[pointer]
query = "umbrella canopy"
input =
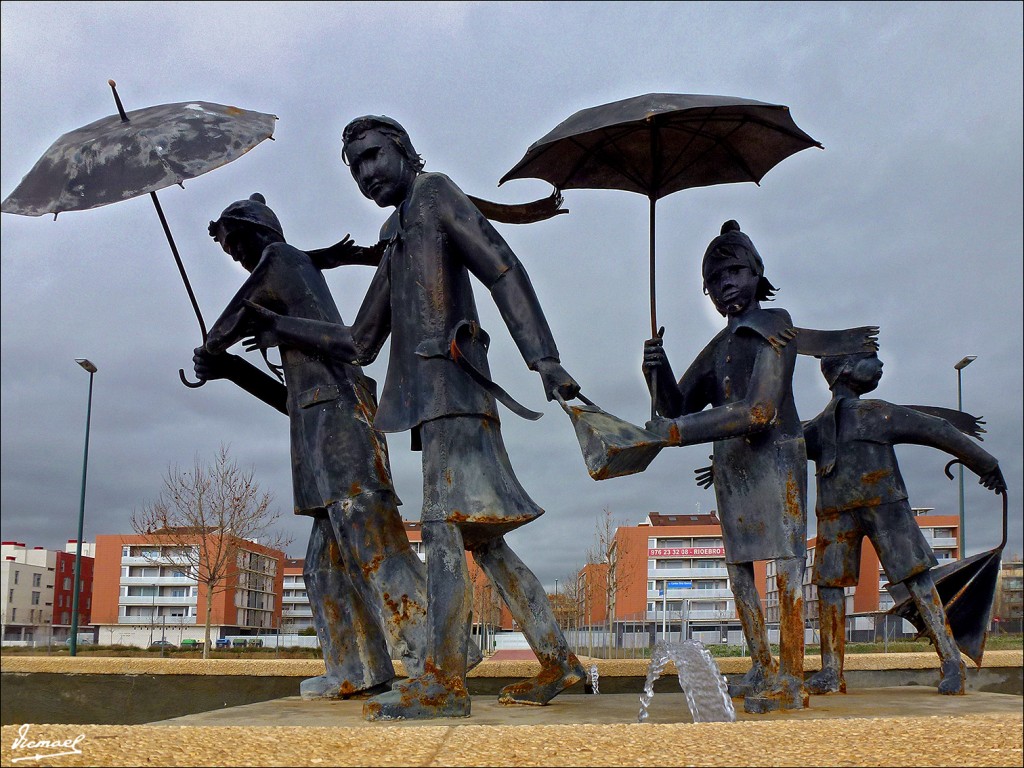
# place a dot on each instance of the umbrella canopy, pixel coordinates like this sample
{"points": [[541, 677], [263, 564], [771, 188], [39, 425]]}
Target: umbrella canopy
{"points": [[135, 153], [118, 158], [660, 143]]}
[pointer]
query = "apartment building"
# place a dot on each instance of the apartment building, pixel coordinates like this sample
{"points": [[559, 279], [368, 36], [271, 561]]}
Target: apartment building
{"points": [[64, 587], [147, 588], [296, 614], [26, 581], [1008, 611], [665, 578], [37, 592]]}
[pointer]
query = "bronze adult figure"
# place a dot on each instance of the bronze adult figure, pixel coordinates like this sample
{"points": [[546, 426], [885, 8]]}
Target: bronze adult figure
{"points": [[745, 374], [364, 581], [861, 493], [438, 387]]}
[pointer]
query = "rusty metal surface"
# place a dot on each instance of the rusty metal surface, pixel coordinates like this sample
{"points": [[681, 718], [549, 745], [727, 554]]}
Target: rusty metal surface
{"points": [[422, 297], [745, 375], [611, 446], [862, 494], [366, 585]]}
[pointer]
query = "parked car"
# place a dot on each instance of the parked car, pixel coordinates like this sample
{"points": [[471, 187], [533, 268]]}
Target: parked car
{"points": [[158, 645]]}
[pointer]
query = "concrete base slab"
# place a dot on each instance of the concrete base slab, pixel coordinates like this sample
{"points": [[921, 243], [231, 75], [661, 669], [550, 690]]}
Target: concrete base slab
{"points": [[570, 709]]}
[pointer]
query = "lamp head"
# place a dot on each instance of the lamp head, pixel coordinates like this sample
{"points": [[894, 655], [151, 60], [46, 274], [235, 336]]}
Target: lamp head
{"points": [[965, 362], [86, 364]]}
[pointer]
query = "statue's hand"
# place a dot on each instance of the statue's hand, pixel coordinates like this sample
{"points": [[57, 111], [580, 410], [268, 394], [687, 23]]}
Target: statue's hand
{"points": [[654, 353], [556, 379], [210, 365], [705, 476], [262, 324], [993, 480]]}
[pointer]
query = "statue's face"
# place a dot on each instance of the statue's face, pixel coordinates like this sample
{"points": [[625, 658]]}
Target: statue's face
{"points": [[866, 374], [243, 243], [732, 286], [379, 168]]}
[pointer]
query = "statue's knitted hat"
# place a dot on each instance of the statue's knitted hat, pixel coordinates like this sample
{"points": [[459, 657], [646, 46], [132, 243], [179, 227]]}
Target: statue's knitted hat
{"points": [[254, 210]]}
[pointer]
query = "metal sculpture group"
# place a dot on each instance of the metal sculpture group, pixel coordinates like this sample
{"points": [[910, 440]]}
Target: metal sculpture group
{"points": [[371, 596]]}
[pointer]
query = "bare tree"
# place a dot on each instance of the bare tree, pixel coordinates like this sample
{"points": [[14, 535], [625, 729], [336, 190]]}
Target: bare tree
{"points": [[610, 553], [202, 515]]}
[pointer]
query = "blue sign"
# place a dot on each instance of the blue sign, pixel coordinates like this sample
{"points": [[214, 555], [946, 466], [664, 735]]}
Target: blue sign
{"points": [[680, 585]]}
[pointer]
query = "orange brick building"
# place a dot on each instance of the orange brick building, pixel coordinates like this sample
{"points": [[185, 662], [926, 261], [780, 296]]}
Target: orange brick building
{"points": [[666, 578], [145, 588]]}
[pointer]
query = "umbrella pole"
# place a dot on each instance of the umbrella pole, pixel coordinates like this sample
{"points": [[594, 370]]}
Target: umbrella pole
{"points": [[184, 279], [174, 249], [654, 315]]}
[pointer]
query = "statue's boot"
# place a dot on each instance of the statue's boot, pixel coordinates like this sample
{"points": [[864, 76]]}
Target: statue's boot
{"points": [[421, 698], [828, 680], [786, 692], [327, 687], [554, 678], [954, 677], [757, 680]]}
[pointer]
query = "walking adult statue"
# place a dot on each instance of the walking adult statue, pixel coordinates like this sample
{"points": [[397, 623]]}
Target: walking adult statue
{"points": [[364, 581], [438, 387]]}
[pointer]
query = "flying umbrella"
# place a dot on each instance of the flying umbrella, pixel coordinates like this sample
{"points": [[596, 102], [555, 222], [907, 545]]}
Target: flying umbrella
{"points": [[659, 143], [133, 153], [967, 589]]}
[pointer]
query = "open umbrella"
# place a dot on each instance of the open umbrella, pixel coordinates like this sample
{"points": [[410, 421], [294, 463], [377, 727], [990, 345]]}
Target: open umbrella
{"points": [[133, 153], [659, 143], [967, 589]]}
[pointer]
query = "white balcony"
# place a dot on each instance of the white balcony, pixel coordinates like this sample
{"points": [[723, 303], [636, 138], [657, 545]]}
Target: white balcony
{"points": [[687, 573], [158, 621], [297, 612], [155, 560], [689, 594], [714, 615], [942, 543], [158, 581], [157, 600]]}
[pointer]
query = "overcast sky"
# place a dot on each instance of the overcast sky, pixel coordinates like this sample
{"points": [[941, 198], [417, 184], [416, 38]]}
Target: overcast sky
{"points": [[910, 219]]}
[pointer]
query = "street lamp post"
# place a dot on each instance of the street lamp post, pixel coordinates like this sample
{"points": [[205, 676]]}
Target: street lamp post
{"points": [[960, 406], [73, 645]]}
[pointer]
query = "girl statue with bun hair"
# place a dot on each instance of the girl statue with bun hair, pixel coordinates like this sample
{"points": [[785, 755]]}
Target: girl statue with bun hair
{"points": [[745, 375]]}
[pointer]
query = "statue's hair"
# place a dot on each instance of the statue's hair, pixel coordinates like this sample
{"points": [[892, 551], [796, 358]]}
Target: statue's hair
{"points": [[834, 367], [387, 127]]}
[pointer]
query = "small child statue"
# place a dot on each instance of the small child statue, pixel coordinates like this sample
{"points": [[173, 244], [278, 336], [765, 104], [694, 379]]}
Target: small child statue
{"points": [[861, 493]]}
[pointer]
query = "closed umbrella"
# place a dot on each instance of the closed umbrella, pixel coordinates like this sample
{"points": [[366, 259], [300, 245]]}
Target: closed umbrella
{"points": [[967, 589]]}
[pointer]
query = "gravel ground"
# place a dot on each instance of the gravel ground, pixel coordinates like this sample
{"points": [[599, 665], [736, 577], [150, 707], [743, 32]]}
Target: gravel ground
{"points": [[975, 740]]}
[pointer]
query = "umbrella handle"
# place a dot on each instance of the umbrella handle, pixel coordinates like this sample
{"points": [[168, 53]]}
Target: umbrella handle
{"points": [[188, 286], [174, 251], [1006, 502]]}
